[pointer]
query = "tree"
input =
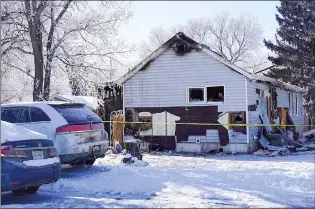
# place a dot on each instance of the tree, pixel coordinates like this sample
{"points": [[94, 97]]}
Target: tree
{"points": [[238, 40], [295, 47], [75, 38], [16, 69]]}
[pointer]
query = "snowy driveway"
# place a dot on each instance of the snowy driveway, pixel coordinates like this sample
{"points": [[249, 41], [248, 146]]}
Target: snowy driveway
{"points": [[181, 181]]}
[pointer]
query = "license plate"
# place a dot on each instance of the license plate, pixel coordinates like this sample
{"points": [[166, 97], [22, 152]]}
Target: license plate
{"points": [[37, 155], [87, 137]]}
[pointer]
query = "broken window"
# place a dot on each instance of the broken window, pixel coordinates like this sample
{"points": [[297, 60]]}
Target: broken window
{"points": [[290, 105], [237, 118], [196, 94], [215, 94], [293, 103], [145, 127]]}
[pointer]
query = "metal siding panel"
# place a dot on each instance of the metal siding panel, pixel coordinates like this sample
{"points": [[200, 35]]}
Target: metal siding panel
{"points": [[163, 83], [253, 116]]}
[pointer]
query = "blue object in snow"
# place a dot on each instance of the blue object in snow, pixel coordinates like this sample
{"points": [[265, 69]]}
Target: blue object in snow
{"points": [[118, 148]]}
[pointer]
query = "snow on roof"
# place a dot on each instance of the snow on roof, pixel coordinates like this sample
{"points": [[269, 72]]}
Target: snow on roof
{"points": [[12, 132], [90, 101], [278, 83], [207, 50]]}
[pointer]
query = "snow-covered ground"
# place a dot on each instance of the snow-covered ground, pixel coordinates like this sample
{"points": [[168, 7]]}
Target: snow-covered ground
{"points": [[171, 180]]}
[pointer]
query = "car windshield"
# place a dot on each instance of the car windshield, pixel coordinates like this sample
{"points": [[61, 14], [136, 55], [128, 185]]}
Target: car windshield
{"points": [[76, 114]]}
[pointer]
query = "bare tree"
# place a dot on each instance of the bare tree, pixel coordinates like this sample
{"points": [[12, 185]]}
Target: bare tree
{"points": [[77, 39], [86, 46], [16, 70], [238, 40]]}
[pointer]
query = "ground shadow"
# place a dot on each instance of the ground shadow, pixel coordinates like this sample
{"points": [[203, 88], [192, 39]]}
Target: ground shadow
{"points": [[45, 200], [295, 157]]}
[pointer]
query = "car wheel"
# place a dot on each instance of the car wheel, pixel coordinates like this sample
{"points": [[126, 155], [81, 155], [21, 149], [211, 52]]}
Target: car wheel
{"points": [[26, 190], [90, 162]]}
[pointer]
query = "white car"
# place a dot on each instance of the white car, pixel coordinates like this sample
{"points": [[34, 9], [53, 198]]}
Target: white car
{"points": [[77, 132]]}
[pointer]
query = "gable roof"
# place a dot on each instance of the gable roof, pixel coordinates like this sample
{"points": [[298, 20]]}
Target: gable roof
{"points": [[181, 37]]}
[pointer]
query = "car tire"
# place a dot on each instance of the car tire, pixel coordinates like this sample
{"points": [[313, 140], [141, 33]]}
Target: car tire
{"points": [[26, 190], [90, 162]]}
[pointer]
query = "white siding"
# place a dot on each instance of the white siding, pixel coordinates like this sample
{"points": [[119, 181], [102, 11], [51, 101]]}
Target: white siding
{"points": [[213, 136], [299, 118], [163, 83], [282, 98]]}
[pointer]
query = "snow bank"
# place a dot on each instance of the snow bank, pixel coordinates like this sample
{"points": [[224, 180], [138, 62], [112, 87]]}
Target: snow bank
{"points": [[12, 132], [41, 162], [122, 181]]}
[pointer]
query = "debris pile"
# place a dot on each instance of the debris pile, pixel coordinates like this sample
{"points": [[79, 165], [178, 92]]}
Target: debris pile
{"points": [[132, 154], [282, 139], [282, 142]]}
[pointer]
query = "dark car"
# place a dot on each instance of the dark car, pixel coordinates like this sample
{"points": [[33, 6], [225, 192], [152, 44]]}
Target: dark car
{"points": [[28, 160]]}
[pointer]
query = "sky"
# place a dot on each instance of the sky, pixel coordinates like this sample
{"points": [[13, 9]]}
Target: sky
{"points": [[151, 14]]}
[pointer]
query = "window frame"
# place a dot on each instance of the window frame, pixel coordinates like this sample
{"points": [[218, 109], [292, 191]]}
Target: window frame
{"points": [[205, 94], [293, 103], [296, 105], [290, 105], [196, 87], [216, 102], [45, 121]]}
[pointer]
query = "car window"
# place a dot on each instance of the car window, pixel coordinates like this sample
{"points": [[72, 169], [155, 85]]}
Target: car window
{"points": [[38, 115], [15, 114], [78, 114]]}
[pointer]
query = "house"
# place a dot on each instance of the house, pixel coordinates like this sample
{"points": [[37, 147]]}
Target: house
{"points": [[193, 97]]}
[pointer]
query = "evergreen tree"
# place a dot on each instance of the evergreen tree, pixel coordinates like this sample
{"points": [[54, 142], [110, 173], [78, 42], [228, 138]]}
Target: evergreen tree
{"points": [[295, 48]]}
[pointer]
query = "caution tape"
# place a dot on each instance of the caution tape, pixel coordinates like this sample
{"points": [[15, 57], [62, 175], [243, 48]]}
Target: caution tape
{"points": [[206, 124]]}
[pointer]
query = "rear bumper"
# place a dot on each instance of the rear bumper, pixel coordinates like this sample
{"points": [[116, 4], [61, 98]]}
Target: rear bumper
{"points": [[15, 175], [79, 157]]}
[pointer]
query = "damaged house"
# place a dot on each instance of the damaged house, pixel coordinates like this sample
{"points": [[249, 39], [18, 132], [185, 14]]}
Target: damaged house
{"points": [[193, 100]]}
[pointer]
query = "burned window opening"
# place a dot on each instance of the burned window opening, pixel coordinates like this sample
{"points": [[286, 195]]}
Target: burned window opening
{"points": [[238, 118], [196, 95], [215, 94], [180, 49], [145, 127]]}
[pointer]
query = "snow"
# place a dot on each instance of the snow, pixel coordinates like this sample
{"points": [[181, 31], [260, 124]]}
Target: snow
{"points": [[173, 180], [91, 102], [41, 162], [12, 132]]}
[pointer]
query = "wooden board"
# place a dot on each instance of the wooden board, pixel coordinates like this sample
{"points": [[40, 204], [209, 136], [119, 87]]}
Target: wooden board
{"points": [[223, 135]]}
